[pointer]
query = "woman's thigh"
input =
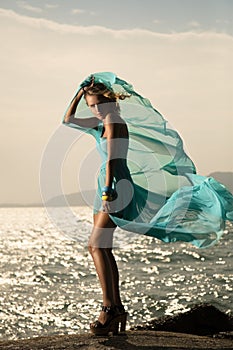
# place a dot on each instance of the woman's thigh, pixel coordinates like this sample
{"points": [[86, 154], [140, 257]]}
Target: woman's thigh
{"points": [[102, 219], [102, 232]]}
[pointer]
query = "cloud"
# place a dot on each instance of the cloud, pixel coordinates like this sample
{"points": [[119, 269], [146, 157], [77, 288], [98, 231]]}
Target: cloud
{"points": [[194, 24], [223, 21], [157, 21], [26, 6], [187, 77], [77, 11], [41, 23], [51, 6], [46, 24]]}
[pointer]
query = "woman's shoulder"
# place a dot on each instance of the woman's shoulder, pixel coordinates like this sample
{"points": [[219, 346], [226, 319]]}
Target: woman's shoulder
{"points": [[116, 124], [114, 119]]}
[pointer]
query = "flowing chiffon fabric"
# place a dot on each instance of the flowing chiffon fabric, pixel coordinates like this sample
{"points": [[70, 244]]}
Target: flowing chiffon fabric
{"points": [[159, 192]]}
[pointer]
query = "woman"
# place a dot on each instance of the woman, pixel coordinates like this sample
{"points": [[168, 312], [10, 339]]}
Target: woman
{"points": [[104, 106], [147, 183]]}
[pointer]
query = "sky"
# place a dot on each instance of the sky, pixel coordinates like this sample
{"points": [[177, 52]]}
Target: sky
{"points": [[177, 53]]}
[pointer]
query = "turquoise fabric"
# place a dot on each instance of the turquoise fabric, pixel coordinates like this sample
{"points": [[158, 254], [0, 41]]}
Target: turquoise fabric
{"points": [[159, 192]]}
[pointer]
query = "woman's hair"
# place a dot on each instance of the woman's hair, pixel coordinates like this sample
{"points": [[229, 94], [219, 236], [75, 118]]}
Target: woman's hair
{"points": [[101, 90]]}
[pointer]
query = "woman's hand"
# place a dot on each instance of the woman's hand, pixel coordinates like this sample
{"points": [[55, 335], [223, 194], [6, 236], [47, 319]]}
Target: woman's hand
{"points": [[106, 206], [88, 84], [92, 81], [109, 196], [109, 206]]}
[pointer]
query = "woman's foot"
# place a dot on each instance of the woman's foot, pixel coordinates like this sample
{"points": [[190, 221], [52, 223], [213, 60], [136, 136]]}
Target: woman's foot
{"points": [[106, 314], [109, 321]]}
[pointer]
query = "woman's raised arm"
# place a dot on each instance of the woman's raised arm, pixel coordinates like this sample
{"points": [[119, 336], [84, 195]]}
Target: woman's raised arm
{"points": [[83, 122]]}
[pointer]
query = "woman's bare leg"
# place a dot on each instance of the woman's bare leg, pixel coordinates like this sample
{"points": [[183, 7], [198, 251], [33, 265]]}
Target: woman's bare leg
{"points": [[99, 243], [115, 277]]}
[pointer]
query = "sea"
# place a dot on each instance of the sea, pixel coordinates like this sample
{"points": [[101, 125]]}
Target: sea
{"points": [[48, 283]]}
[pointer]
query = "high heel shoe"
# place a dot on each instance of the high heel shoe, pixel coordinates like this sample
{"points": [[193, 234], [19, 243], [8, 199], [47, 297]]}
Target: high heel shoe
{"points": [[111, 325], [121, 311]]}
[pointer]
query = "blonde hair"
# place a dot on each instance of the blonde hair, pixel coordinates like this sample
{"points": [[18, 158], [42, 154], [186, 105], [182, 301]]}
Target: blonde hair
{"points": [[100, 89]]}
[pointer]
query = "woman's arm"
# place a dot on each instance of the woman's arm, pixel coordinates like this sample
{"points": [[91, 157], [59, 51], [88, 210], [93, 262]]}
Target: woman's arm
{"points": [[112, 132], [69, 116]]}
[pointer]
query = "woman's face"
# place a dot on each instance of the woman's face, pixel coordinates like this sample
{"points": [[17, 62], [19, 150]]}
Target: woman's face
{"points": [[99, 106]]}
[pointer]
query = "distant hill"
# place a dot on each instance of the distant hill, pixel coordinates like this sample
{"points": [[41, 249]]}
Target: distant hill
{"points": [[225, 178], [87, 197], [73, 199]]}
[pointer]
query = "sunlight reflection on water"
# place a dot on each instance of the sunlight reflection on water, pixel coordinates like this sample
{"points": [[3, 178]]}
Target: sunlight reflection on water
{"points": [[49, 284]]}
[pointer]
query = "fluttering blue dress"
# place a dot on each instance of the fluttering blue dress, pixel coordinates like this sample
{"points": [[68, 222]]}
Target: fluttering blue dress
{"points": [[159, 192]]}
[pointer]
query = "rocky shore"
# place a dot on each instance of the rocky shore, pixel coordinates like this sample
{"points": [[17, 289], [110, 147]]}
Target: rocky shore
{"points": [[203, 327], [202, 319], [132, 340]]}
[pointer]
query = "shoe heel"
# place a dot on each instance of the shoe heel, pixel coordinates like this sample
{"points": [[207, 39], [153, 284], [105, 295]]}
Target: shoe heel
{"points": [[115, 327], [123, 322]]}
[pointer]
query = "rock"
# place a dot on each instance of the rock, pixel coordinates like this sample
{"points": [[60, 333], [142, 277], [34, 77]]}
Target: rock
{"points": [[203, 319], [132, 340], [167, 333]]}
